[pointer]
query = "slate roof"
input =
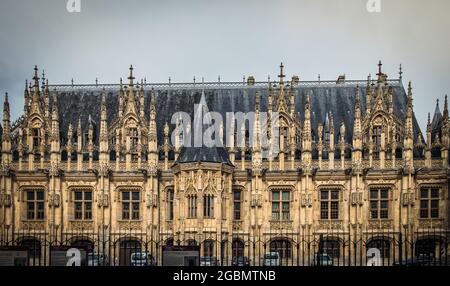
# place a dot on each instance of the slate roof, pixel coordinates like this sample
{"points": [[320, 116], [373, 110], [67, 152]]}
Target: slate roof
{"points": [[339, 99]]}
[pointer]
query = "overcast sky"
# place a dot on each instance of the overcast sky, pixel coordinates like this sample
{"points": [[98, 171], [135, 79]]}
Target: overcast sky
{"points": [[182, 39]]}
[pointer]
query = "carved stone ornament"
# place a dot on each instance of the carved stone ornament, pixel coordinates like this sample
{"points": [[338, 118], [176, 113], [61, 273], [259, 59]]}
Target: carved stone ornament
{"points": [[54, 200]]}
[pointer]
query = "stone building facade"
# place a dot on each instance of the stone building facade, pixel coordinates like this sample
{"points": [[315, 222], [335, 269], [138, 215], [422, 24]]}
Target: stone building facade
{"points": [[99, 158]]}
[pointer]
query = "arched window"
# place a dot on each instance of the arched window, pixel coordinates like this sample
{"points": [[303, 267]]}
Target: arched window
{"points": [[34, 250], [382, 244], [332, 247], [282, 246], [170, 198], [208, 248], [237, 248]]}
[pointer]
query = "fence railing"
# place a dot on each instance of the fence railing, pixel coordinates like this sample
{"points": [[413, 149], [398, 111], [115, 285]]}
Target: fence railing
{"points": [[136, 248]]}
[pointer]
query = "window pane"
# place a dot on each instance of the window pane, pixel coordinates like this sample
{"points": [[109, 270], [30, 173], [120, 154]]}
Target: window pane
{"points": [[424, 193], [276, 206], [126, 206], [434, 204], [275, 196], [285, 206], [424, 204], [324, 195], [423, 213], [40, 205], [286, 196], [383, 204], [435, 193], [373, 204], [135, 196], [237, 195], [374, 194], [78, 196], [40, 195], [88, 196], [78, 206], [125, 196], [374, 214], [30, 196], [434, 213], [384, 194], [335, 195], [30, 206]]}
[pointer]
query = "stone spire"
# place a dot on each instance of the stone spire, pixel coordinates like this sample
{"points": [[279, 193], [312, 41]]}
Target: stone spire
{"points": [[306, 141], [104, 158], [6, 136], [26, 102], [445, 113], [408, 142], [131, 77], [36, 100], [55, 142]]}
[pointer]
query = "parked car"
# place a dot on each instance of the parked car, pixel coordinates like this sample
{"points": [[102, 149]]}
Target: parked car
{"points": [[97, 259], [240, 261], [142, 259], [208, 261], [271, 259], [420, 260], [322, 259]]}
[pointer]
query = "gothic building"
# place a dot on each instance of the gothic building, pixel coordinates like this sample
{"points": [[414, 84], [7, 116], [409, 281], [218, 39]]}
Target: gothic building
{"points": [[90, 159]]}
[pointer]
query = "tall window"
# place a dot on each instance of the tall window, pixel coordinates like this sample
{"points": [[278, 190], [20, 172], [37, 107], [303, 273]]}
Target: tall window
{"points": [[280, 205], [130, 205], [379, 203], [170, 195], [208, 206], [36, 134], [134, 138], [83, 205], [237, 197], [329, 204], [376, 135], [192, 206], [208, 248], [429, 203], [35, 205]]}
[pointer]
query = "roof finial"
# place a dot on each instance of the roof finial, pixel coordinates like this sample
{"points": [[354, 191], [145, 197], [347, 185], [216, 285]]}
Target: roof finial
{"points": [[281, 75], [379, 68], [43, 79], [131, 77], [445, 108], [318, 77], [96, 81], [400, 73], [36, 77], [409, 89], [194, 79], [6, 97], [170, 80]]}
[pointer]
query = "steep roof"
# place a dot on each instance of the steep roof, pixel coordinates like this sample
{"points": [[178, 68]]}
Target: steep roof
{"points": [[326, 97]]}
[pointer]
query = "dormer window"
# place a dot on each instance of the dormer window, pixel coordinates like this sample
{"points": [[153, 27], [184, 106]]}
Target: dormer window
{"points": [[134, 138], [376, 136], [36, 134]]}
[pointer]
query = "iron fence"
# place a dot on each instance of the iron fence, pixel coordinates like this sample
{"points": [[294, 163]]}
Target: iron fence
{"points": [[263, 248]]}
